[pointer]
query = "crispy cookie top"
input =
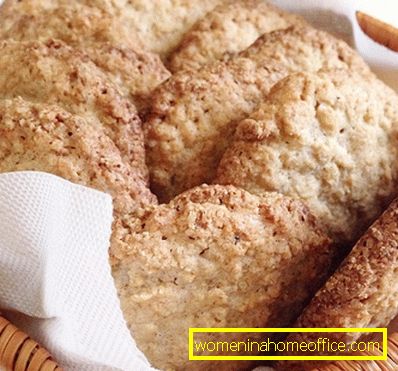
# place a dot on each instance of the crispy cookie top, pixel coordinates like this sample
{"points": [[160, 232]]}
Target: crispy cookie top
{"points": [[215, 257], [191, 120], [194, 114], [101, 35], [329, 139], [361, 293], [159, 25], [228, 29], [47, 138], [303, 48], [73, 22], [55, 73]]}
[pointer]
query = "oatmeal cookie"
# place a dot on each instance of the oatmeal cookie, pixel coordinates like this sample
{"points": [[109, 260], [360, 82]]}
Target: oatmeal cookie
{"points": [[215, 256], [362, 293], [102, 37], [304, 48], [329, 139], [191, 120], [228, 29], [55, 73], [193, 115], [160, 25], [47, 138]]}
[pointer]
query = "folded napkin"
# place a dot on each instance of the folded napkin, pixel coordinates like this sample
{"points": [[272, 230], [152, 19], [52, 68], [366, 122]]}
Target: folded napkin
{"points": [[55, 279]]}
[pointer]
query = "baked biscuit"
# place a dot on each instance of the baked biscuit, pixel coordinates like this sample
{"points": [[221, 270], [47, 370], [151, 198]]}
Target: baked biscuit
{"points": [[364, 290], [46, 138], [193, 115], [75, 22], [54, 73], [303, 48], [159, 25], [330, 140], [227, 30], [78, 22], [102, 37], [10, 10], [191, 120], [215, 257]]}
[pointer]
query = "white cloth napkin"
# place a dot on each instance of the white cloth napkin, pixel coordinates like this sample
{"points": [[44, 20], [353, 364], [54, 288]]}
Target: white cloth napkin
{"points": [[55, 279]]}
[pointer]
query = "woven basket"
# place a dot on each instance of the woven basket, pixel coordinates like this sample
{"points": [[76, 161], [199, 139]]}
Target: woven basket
{"points": [[379, 31], [18, 352], [389, 365]]}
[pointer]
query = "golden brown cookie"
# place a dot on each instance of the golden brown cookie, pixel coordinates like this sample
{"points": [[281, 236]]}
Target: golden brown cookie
{"points": [[54, 73], [73, 22], [159, 25], [10, 10], [10, 6], [303, 48], [191, 120], [47, 138], [329, 139], [102, 37], [364, 290], [228, 29], [215, 257], [194, 114]]}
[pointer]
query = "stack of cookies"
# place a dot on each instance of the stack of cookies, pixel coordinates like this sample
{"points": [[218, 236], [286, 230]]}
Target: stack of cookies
{"points": [[246, 153]]}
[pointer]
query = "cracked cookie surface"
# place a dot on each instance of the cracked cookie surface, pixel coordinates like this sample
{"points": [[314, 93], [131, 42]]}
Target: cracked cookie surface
{"points": [[193, 115], [158, 25], [227, 30], [55, 73], [101, 35], [362, 293], [215, 256], [41, 137], [329, 139]]}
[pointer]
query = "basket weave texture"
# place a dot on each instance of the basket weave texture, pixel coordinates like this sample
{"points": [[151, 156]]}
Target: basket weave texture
{"points": [[389, 365], [18, 352]]}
